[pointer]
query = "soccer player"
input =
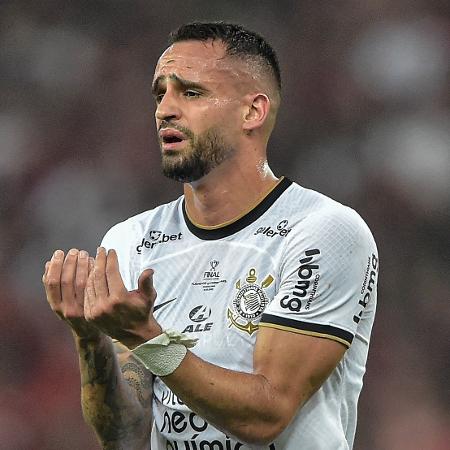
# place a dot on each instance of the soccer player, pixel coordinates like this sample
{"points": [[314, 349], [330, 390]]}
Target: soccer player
{"points": [[259, 334]]}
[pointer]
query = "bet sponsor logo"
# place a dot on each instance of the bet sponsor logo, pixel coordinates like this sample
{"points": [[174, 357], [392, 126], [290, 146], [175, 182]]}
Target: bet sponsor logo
{"points": [[306, 285], [199, 315], [282, 230], [211, 277], [156, 237], [368, 286], [249, 303]]}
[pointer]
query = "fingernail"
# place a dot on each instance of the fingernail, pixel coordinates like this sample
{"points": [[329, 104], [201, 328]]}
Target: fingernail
{"points": [[73, 251], [99, 249], [83, 254], [58, 254]]}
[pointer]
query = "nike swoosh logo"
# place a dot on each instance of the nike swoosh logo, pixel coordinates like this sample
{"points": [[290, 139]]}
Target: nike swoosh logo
{"points": [[163, 304]]}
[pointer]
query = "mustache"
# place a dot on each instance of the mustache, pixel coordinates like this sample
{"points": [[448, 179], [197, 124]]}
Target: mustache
{"points": [[186, 131]]}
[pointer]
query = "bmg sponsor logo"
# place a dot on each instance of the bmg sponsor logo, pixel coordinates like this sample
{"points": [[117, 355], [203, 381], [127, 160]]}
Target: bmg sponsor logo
{"points": [[156, 237], [307, 274], [368, 286]]}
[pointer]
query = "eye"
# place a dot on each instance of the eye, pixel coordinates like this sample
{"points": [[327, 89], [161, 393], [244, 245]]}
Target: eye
{"points": [[158, 98], [191, 94]]}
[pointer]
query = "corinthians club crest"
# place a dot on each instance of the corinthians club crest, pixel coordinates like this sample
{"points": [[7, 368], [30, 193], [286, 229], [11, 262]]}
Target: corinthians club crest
{"points": [[249, 302]]}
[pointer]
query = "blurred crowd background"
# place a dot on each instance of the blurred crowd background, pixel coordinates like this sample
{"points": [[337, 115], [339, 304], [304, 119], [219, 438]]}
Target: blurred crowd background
{"points": [[365, 119]]}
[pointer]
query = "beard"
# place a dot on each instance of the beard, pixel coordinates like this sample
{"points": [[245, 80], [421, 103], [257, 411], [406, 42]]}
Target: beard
{"points": [[203, 153]]}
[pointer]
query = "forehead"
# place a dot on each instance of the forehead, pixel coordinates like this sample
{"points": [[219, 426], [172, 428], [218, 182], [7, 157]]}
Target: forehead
{"points": [[199, 61]]}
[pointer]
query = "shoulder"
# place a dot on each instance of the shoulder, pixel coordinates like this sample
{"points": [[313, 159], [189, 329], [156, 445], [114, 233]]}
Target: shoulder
{"points": [[128, 229], [335, 219], [319, 222]]}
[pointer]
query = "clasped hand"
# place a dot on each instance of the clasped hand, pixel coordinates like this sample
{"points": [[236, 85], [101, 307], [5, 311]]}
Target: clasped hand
{"points": [[91, 297]]}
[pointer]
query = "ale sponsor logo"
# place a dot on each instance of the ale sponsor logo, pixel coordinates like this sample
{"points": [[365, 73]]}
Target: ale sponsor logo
{"points": [[199, 315]]}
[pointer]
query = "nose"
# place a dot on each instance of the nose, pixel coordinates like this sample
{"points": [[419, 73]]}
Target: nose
{"points": [[168, 108]]}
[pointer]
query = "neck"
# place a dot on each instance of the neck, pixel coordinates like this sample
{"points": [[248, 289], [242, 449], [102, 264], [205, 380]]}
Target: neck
{"points": [[228, 192]]}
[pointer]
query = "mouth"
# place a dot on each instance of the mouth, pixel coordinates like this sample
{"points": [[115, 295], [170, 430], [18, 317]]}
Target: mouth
{"points": [[171, 139]]}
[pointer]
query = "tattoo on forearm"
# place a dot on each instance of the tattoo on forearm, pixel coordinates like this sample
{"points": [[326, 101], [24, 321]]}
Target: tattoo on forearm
{"points": [[99, 367], [121, 419], [140, 380]]}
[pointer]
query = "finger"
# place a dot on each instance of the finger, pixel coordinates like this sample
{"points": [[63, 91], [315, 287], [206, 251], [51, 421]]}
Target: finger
{"points": [[100, 282], [91, 264], [113, 277], [89, 292], [44, 276], [68, 276], [145, 284], [53, 279], [81, 275]]}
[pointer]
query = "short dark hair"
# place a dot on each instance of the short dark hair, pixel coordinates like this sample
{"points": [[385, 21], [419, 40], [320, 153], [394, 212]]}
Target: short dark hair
{"points": [[238, 40]]}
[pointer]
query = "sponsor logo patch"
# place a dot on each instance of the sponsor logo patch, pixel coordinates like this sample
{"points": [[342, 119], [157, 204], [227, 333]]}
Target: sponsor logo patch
{"points": [[188, 431], [199, 315], [368, 286], [281, 230], [156, 237], [306, 285]]}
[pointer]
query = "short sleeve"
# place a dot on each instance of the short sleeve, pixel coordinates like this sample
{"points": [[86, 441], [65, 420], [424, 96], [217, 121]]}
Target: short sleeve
{"points": [[117, 238], [328, 277]]}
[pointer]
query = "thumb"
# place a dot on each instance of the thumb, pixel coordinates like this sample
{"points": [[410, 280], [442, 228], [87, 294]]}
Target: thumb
{"points": [[145, 284]]}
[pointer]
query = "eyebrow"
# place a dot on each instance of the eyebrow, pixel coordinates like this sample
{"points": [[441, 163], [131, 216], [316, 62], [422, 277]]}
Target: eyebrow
{"points": [[185, 84]]}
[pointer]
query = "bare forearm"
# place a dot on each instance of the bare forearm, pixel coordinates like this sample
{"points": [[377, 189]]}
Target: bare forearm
{"points": [[240, 404], [115, 398]]}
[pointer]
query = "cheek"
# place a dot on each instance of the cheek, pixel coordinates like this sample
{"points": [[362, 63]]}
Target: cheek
{"points": [[224, 114]]}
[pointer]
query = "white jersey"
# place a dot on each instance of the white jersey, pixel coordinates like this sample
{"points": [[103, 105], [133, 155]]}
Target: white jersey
{"points": [[299, 262]]}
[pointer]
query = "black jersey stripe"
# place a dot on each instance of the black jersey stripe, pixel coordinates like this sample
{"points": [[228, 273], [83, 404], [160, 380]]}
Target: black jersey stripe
{"points": [[313, 329], [244, 221]]}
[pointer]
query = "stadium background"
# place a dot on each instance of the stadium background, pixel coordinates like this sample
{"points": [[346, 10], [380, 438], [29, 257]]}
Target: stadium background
{"points": [[365, 118]]}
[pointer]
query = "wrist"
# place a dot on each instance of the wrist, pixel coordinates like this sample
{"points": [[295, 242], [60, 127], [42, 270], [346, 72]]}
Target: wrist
{"points": [[83, 330], [165, 352], [140, 336], [91, 338]]}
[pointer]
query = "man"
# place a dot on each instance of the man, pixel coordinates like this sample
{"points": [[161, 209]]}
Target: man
{"points": [[276, 282]]}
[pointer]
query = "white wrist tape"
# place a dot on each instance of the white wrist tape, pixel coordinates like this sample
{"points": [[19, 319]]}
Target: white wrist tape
{"points": [[164, 353]]}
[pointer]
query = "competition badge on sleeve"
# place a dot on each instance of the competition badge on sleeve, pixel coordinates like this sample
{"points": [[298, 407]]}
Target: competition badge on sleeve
{"points": [[249, 303]]}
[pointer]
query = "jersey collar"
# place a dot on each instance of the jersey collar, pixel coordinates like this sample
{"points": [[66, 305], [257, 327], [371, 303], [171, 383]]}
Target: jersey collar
{"points": [[222, 231]]}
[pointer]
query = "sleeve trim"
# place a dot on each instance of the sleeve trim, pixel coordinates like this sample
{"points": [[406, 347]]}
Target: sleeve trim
{"points": [[310, 329]]}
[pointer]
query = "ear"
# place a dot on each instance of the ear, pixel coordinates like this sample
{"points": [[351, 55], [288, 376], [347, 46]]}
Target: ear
{"points": [[256, 113]]}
